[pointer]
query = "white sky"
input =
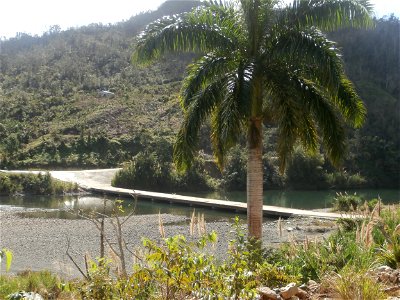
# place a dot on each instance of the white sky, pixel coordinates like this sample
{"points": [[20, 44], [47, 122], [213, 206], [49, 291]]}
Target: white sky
{"points": [[36, 16]]}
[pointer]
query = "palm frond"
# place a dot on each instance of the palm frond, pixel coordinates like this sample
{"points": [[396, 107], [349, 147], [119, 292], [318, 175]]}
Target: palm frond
{"points": [[329, 15], [326, 114], [203, 30], [230, 117], [200, 107], [302, 110], [350, 103], [310, 52], [205, 70]]}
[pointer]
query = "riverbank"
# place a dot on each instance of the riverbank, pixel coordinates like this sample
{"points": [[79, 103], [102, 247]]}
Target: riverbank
{"points": [[39, 244]]}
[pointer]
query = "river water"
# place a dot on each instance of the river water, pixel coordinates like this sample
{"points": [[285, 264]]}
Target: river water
{"points": [[68, 206]]}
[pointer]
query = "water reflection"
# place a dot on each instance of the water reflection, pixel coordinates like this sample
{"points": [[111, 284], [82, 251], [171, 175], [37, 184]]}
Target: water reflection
{"points": [[67, 207]]}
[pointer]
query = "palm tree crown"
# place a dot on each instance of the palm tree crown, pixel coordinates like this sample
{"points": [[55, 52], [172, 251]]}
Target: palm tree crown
{"points": [[262, 64]]}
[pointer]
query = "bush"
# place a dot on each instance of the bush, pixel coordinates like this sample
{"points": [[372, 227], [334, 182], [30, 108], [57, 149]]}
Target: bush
{"points": [[306, 171], [315, 259], [345, 202], [344, 180], [180, 268], [147, 172], [354, 284], [35, 184], [46, 284], [235, 172]]}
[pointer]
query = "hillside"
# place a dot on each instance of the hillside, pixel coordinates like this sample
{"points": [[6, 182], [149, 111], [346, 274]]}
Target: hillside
{"points": [[73, 99]]}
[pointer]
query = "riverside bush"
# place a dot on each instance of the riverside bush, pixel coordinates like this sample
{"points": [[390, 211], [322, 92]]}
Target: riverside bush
{"points": [[44, 283], [345, 202], [147, 172], [35, 184], [344, 180], [315, 259]]}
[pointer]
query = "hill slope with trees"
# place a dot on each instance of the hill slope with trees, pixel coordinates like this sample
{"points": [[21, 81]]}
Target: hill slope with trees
{"points": [[53, 113]]}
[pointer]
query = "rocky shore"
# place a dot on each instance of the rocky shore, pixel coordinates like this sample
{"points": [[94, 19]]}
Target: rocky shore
{"points": [[41, 243]]}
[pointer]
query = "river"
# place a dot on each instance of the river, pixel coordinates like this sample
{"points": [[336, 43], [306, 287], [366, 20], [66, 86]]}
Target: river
{"points": [[68, 206]]}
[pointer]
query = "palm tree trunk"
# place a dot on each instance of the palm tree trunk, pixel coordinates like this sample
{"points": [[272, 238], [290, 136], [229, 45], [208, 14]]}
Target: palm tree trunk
{"points": [[255, 179]]}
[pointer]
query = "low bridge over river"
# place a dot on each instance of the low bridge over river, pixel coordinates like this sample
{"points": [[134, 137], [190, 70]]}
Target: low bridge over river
{"points": [[99, 181]]}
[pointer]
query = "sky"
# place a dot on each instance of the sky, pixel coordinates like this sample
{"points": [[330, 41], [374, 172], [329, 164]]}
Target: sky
{"points": [[37, 16]]}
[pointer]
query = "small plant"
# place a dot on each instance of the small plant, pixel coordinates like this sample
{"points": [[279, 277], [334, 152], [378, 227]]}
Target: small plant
{"points": [[345, 202], [351, 284], [6, 255], [33, 284], [386, 235]]}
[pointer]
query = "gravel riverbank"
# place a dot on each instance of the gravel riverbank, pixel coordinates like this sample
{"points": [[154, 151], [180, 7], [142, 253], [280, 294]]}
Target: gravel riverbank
{"points": [[39, 243]]}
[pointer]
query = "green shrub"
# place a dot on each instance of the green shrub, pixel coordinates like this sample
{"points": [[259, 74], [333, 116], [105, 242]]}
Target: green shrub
{"points": [[345, 202], [48, 285], [181, 268], [314, 259], [344, 180], [235, 172], [354, 284], [7, 256], [34, 184], [306, 171], [148, 172]]}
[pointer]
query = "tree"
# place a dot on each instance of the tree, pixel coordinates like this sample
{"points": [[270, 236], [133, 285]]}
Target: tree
{"points": [[261, 63]]}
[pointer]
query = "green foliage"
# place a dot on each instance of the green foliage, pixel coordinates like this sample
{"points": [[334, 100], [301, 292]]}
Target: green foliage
{"points": [[344, 180], [306, 171], [44, 283], [100, 285], [345, 202], [313, 260], [352, 283], [35, 184], [147, 171], [7, 256], [178, 268], [234, 176], [386, 236]]}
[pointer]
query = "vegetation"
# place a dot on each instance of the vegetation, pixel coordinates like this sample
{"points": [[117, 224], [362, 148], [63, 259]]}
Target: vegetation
{"points": [[44, 283], [34, 184], [343, 265], [261, 65], [6, 255], [53, 116], [147, 171]]}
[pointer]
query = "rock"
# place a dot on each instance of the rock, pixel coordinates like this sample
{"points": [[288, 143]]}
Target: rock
{"points": [[393, 277], [384, 269], [267, 294], [384, 277], [302, 294], [312, 282], [289, 291], [303, 286], [289, 229], [313, 286]]}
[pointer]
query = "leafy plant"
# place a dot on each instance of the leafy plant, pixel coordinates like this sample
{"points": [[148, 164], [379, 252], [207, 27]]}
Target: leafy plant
{"points": [[6, 255], [352, 283], [345, 202], [47, 285]]}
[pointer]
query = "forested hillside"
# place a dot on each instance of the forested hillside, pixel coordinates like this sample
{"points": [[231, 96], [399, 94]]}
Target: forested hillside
{"points": [[73, 99]]}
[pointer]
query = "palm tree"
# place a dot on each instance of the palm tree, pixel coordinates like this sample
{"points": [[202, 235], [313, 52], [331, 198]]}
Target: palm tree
{"points": [[261, 64]]}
